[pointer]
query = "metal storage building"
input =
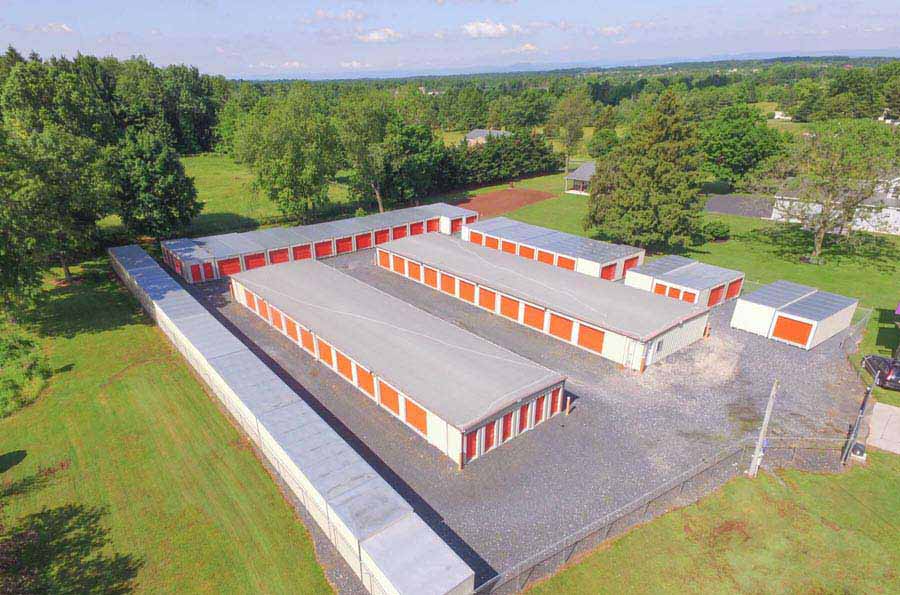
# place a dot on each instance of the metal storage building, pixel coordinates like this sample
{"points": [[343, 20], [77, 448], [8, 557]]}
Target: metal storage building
{"points": [[626, 325], [374, 529], [460, 392], [564, 250], [792, 313], [687, 280], [214, 257]]}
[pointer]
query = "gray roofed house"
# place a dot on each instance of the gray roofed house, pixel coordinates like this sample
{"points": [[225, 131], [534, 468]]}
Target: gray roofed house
{"points": [[581, 178], [479, 136]]}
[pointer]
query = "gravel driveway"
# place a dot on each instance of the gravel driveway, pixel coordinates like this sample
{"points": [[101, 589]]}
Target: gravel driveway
{"points": [[627, 432]]}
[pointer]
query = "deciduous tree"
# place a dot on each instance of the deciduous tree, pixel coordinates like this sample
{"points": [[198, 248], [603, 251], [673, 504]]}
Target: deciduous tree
{"points": [[736, 141]]}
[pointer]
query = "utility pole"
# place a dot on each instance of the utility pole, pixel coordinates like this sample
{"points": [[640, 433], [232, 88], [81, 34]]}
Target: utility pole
{"points": [[758, 453]]}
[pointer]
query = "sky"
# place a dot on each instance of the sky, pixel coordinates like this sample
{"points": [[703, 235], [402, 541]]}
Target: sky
{"points": [[336, 39]]}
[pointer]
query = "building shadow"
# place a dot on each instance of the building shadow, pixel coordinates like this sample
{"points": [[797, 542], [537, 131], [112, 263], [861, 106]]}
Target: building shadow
{"points": [[888, 335], [10, 459]]}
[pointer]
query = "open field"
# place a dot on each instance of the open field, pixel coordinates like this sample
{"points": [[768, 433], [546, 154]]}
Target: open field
{"points": [[795, 128], [767, 251], [792, 532], [129, 470]]}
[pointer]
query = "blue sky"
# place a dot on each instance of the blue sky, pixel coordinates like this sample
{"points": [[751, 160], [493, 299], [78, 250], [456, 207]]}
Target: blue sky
{"points": [[355, 38]]}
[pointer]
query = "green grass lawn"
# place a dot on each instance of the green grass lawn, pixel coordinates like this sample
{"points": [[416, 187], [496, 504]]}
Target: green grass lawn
{"points": [[130, 472], [791, 533], [795, 128], [767, 251]]}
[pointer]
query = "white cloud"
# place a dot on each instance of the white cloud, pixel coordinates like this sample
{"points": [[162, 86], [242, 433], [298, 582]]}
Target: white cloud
{"points": [[346, 16], [262, 66], [525, 48], [293, 64], [379, 35], [490, 29], [355, 65], [50, 28], [611, 31], [803, 9]]}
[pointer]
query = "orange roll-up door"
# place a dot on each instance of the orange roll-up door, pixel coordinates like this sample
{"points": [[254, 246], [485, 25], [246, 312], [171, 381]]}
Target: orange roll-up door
{"points": [[490, 242], [561, 327], [208, 271], [262, 308], [608, 272], [471, 445], [689, 297], [276, 318], [630, 264], [674, 292], [792, 331], [489, 436], [433, 225], [229, 266], [414, 271], [734, 288], [509, 307], [487, 299], [555, 401], [715, 296], [448, 284], [545, 257], [196, 275], [389, 397], [365, 381], [508, 247], [526, 252], [467, 291], [384, 259], [456, 225], [254, 261], [416, 417], [523, 418], [323, 249], [565, 263], [278, 256], [382, 236], [534, 317], [325, 353], [250, 299], [344, 245], [590, 338], [506, 430], [399, 264], [302, 252], [476, 238], [344, 365], [416, 228], [290, 327], [363, 241], [660, 289], [471, 219], [430, 277], [307, 340], [399, 232], [539, 410]]}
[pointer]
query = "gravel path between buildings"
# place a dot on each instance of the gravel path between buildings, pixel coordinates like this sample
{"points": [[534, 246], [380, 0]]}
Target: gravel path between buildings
{"points": [[627, 433]]}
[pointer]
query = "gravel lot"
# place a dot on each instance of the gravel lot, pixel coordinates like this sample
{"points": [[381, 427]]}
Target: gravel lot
{"points": [[747, 205], [627, 432]]}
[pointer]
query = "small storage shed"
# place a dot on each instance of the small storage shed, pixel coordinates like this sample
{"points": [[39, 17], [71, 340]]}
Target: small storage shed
{"points": [[564, 250], [687, 280], [792, 313], [461, 393], [214, 257], [580, 178], [626, 325]]}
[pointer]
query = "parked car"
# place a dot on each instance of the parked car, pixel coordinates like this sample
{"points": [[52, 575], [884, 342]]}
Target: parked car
{"points": [[886, 370]]}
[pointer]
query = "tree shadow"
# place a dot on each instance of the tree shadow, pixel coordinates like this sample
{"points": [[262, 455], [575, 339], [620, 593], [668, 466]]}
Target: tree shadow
{"points": [[791, 242], [11, 459], [216, 223], [93, 302], [61, 550], [888, 335]]}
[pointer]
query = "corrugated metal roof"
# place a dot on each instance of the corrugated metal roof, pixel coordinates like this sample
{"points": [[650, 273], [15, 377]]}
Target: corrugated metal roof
{"points": [[613, 306], [778, 294], [457, 375], [688, 272], [584, 172], [555, 241], [819, 305], [133, 257]]}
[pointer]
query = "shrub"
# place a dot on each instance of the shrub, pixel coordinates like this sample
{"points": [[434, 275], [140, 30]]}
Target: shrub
{"points": [[716, 230], [23, 370]]}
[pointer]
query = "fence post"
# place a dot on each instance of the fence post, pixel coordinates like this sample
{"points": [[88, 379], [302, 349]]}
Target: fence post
{"points": [[758, 453]]}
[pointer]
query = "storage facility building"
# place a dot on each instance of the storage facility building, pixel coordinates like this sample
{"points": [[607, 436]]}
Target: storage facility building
{"points": [[687, 280], [567, 251], [793, 313], [626, 325], [215, 257], [460, 392], [374, 529]]}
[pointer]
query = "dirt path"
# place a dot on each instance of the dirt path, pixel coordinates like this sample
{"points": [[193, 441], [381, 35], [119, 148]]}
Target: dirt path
{"points": [[499, 202]]}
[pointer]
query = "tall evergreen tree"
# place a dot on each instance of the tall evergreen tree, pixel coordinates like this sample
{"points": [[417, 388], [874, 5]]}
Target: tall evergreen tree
{"points": [[646, 191]]}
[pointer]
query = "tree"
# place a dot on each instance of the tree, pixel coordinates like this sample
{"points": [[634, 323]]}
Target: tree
{"points": [[155, 197], [892, 97], [645, 191], [292, 148], [602, 142], [363, 121], [56, 187], [230, 115], [568, 119], [736, 141], [415, 107], [808, 100], [830, 172]]}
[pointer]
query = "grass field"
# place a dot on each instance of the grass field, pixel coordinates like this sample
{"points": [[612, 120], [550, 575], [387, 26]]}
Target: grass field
{"points": [[128, 470], [791, 533]]}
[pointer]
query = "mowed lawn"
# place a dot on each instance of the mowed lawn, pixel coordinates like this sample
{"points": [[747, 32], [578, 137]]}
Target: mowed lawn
{"points": [[791, 533], [129, 471]]}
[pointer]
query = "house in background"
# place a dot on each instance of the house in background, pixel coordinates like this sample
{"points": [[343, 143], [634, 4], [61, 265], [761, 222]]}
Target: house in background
{"points": [[479, 136], [580, 178], [878, 214]]}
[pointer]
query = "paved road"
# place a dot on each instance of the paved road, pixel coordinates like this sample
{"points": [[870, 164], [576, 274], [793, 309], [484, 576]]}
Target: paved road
{"points": [[746, 205]]}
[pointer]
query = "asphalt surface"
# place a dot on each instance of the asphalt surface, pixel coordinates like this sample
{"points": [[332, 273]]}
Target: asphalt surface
{"points": [[627, 433], [747, 205]]}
